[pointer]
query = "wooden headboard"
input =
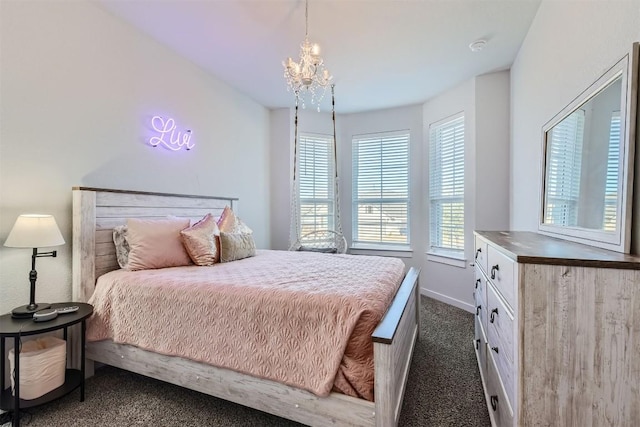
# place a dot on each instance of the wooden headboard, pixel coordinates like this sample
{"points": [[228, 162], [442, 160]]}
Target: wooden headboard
{"points": [[96, 211]]}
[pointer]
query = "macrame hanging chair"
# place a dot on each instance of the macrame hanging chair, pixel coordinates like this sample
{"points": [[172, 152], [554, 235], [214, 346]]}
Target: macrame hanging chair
{"points": [[330, 241]]}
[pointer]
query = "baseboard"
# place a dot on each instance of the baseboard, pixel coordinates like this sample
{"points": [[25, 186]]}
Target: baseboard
{"points": [[448, 300]]}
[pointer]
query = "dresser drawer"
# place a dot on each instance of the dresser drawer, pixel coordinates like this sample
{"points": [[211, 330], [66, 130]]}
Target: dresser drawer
{"points": [[480, 297], [500, 339], [502, 274], [480, 346], [499, 408], [481, 253]]}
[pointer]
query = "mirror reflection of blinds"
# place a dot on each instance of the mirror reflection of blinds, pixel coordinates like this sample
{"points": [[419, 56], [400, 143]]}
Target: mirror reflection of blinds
{"points": [[381, 188], [564, 159], [446, 184], [316, 174], [613, 169]]}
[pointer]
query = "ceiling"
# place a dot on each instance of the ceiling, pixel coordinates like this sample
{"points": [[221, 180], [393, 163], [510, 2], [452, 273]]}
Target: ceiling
{"points": [[382, 53]]}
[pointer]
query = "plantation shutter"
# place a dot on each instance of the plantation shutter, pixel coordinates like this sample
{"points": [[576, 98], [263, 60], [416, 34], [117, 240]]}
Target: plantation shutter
{"points": [[316, 172], [446, 184], [564, 160], [381, 189], [613, 169]]}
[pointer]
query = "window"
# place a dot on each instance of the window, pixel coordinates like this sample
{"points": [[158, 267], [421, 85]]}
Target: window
{"points": [[446, 184], [381, 189], [613, 167], [563, 170], [316, 181]]}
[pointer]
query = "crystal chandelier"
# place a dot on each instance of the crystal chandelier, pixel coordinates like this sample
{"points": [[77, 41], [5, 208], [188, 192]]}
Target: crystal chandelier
{"points": [[309, 75]]}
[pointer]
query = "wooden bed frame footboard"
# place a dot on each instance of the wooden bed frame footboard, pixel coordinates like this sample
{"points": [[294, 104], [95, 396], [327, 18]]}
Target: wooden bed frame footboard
{"points": [[97, 211]]}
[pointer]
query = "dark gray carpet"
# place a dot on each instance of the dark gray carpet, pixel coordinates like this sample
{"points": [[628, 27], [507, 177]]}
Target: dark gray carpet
{"points": [[444, 389]]}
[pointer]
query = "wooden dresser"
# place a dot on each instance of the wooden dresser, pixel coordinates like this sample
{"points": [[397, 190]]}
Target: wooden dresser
{"points": [[557, 331]]}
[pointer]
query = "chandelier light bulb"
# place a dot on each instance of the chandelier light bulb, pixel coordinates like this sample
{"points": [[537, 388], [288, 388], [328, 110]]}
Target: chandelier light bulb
{"points": [[308, 75]]}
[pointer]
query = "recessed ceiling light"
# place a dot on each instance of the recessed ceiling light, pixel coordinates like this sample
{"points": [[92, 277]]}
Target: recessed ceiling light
{"points": [[477, 45]]}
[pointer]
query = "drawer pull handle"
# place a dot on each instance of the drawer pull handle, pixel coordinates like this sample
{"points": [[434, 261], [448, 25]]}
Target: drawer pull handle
{"points": [[478, 282], [493, 314], [493, 271], [495, 349], [478, 343], [478, 252], [494, 403], [478, 308]]}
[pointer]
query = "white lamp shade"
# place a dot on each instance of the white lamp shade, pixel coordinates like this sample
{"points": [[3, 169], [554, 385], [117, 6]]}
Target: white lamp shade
{"points": [[34, 231]]}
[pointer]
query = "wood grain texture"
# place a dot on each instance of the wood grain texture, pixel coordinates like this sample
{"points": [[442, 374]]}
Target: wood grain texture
{"points": [[501, 274], [502, 415], [481, 253], [581, 345], [388, 327], [96, 212], [105, 194], [83, 249], [534, 248], [264, 395], [576, 340], [500, 336]]}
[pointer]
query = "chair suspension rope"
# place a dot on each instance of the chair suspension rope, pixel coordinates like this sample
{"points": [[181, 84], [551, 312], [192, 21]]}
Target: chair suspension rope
{"points": [[336, 181], [294, 231], [322, 237]]}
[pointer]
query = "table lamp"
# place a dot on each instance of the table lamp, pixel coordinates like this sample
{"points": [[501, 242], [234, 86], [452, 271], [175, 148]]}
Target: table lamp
{"points": [[34, 231]]}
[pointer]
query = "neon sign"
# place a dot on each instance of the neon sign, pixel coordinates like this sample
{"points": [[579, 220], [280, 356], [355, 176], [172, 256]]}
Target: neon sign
{"points": [[169, 136]]}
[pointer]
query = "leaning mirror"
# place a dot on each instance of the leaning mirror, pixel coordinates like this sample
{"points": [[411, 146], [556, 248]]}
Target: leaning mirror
{"points": [[588, 162]]}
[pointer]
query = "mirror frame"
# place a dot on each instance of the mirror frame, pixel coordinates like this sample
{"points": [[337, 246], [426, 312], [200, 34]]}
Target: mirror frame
{"points": [[620, 240]]}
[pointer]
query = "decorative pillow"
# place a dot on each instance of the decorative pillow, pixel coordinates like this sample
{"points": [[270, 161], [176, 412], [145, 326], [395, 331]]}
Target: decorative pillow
{"points": [[230, 223], [235, 246], [156, 243], [202, 242], [122, 245]]}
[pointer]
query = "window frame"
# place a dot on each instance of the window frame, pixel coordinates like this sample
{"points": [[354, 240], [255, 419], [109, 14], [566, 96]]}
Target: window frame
{"points": [[437, 251], [565, 203], [306, 138], [356, 200]]}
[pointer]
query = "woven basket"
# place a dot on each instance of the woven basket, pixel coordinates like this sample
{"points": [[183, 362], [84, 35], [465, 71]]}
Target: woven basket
{"points": [[42, 366]]}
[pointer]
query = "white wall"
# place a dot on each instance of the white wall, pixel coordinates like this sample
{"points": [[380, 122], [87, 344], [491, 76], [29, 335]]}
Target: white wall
{"points": [[569, 45], [78, 87]]}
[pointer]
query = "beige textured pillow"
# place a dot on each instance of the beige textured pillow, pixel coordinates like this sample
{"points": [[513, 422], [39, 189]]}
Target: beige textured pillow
{"points": [[202, 242], [156, 243], [235, 246], [230, 223]]}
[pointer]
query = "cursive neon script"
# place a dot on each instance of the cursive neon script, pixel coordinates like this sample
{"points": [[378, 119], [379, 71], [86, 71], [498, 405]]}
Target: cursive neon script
{"points": [[175, 140]]}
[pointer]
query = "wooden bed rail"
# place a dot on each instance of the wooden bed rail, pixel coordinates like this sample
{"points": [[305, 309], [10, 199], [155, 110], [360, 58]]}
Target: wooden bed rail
{"points": [[389, 325], [393, 343]]}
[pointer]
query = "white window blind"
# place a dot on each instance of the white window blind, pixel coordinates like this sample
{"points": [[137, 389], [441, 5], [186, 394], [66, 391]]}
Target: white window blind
{"points": [[381, 189], [613, 169], [446, 184], [316, 181], [564, 158]]}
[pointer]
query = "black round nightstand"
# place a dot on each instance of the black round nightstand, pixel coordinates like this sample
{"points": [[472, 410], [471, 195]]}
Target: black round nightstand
{"points": [[17, 328]]}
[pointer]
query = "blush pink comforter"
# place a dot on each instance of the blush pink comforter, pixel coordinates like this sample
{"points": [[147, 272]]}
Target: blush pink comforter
{"points": [[300, 318]]}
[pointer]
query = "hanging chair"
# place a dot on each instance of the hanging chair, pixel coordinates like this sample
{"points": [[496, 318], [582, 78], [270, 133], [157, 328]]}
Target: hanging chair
{"points": [[329, 241]]}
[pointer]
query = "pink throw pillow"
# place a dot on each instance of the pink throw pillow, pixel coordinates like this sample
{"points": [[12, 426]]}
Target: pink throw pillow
{"points": [[202, 242], [230, 223], [156, 243]]}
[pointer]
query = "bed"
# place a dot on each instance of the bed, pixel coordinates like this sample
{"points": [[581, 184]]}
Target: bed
{"points": [[97, 211]]}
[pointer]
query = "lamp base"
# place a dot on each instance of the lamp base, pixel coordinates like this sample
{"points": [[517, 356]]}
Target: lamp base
{"points": [[26, 311]]}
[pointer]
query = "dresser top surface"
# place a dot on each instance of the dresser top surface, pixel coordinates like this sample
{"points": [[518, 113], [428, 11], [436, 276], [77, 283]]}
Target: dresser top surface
{"points": [[528, 247]]}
